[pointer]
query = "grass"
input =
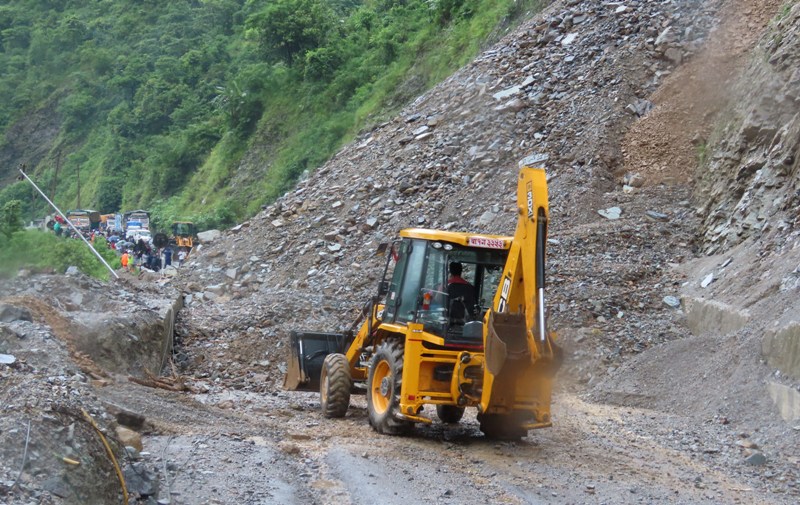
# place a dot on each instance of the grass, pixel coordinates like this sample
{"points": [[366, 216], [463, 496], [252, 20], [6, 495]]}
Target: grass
{"points": [[702, 154], [195, 161], [42, 251]]}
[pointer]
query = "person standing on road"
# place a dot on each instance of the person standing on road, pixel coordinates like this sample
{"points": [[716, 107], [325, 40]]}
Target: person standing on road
{"points": [[181, 257], [124, 260], [167, 256]]}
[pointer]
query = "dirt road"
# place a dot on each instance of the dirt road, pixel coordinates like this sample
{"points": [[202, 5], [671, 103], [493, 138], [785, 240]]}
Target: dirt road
{"points": [[277, 448]]}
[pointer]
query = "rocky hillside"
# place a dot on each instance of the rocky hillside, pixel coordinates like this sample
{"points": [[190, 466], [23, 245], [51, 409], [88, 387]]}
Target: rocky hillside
{"points": [[622, 97], [674, 266], [654, 174], [568, 84], [750, 184], [741, 292]]}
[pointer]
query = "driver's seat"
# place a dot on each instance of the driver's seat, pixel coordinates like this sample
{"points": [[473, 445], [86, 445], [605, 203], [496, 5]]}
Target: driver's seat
{"points": [[461, 303], [465, 330]]}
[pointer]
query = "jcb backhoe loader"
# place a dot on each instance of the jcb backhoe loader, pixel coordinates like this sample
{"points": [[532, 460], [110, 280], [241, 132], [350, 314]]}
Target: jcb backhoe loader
{"points": [[183, 234], [477, 341]]}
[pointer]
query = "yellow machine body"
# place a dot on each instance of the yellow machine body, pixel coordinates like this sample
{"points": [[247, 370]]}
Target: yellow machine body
{"points": [[183, 234], [410, 352]]}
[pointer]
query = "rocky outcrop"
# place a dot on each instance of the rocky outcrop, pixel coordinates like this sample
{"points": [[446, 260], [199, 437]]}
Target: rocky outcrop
{"points": [[29, 142], [122, 329], [64, 339], [750, 185]]}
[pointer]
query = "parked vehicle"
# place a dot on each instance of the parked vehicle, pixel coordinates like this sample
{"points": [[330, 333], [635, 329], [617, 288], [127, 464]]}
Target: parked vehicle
{"points": [[137, 234], [84, 219], [140, 217]]}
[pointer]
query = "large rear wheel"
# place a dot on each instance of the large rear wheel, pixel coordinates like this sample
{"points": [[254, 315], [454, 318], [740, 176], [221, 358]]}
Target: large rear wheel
{"points": [[335, 385], [383, 388]]}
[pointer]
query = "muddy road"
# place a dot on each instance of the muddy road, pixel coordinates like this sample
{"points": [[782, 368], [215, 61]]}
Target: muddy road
{"points": [[277, 448]]}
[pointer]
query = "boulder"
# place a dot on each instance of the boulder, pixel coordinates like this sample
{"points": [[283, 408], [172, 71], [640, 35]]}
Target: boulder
{"points": [[208, 236], [10, 313], [129, 438]]}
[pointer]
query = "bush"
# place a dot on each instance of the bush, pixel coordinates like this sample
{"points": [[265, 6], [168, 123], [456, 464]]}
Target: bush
{"points": [[10, 220], [289, 28]]}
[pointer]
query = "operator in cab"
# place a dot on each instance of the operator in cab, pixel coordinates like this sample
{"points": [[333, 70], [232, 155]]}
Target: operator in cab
{"points": [[461, 294]]}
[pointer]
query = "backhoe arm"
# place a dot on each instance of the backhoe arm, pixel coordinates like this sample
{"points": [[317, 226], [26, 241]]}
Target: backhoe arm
{"points": [[519, 352]]}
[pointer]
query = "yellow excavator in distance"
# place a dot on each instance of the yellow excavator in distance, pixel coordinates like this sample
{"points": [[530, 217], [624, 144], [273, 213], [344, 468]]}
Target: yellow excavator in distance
{"points": [[422, 341], [183, 234]]}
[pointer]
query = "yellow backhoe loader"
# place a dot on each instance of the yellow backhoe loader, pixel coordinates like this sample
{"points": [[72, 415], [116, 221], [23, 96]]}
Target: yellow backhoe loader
{"points": [[431, 337], [183, 234]]}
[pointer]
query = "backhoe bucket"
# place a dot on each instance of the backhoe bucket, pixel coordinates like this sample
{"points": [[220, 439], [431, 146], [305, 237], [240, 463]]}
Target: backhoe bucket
{"points": [[507, 340], [307, 352]]}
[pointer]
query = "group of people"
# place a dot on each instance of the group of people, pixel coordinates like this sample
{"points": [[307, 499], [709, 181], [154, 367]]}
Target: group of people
{"points": [[145, 255], [60, 227], [132, 255]]}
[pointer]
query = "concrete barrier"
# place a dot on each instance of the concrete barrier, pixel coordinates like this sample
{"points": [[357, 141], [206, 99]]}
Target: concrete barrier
{"points": [[712, 317], [786, 399], [781, 348], [169, 331]]}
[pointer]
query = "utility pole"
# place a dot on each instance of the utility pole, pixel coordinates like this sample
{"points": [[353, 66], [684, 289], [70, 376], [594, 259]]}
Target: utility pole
{"points": [[55, 177], [78, 168]]}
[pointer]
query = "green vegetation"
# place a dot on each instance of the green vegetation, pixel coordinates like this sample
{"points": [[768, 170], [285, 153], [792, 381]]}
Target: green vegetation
{"points": [[10, 219], [43, 251], [207, 109], [52, 253], [786, 9], [702, 153]]}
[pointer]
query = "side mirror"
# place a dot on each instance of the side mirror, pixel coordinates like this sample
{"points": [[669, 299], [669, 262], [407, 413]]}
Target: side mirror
{"points": [[383, 288]]}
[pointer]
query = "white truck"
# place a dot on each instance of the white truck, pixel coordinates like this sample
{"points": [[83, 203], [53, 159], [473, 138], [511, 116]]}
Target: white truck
{"points": [[139, 233]]}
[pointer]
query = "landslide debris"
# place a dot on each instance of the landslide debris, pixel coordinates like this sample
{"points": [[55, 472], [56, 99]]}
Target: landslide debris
{"points": [[736, 105], [581, 83], [563, 84], [64, 339]]}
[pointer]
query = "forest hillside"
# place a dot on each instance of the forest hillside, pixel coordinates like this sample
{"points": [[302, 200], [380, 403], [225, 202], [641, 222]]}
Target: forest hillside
{"points": [[208, 109]]}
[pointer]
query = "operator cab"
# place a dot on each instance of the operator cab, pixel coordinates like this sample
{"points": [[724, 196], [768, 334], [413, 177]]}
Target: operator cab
{"points": [[423, 288]]}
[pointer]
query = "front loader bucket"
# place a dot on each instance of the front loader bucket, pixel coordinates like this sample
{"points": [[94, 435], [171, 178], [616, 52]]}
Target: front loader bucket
{"points": [[307, 351], [506, 341]]}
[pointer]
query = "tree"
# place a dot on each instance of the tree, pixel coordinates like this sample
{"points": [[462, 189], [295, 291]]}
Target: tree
{"points": [[289, 28], [109, 193], [11, 218], [240, 107], [321, 63]]}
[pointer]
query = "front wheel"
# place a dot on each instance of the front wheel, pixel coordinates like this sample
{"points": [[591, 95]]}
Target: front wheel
{"points": [[383, 388], [335, 385]]}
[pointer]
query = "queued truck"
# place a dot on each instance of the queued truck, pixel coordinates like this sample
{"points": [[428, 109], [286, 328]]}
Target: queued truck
{"points": [[136, 219], [111, 222], [84, 219]]}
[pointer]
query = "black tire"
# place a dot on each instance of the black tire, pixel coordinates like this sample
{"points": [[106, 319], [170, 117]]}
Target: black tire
{"points": [[501, 427], [334, 385], [449, 414], [383, 388]]}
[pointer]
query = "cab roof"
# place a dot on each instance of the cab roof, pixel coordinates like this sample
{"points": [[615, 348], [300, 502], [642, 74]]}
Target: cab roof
{"points": [[480, 240]]}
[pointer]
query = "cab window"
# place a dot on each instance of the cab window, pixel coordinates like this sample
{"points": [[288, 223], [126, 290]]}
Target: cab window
{"points": [[401, 301]]}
